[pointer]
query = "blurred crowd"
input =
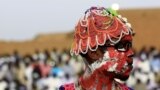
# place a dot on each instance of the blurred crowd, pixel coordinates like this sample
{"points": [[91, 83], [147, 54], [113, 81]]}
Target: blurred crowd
{"points": [[146, 72], [48, 70], [39, 71]]}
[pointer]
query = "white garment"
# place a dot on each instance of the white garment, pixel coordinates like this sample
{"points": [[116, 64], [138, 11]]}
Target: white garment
{"points": [[3, 71], [28, 73], [53, 83], [131, 81], [144, 66], [77, 66], [143, 77], [3, 85], [50, 82]]}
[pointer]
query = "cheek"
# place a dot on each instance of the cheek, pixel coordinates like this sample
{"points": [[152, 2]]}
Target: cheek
{"points": [[114, 54], [119, 58]]}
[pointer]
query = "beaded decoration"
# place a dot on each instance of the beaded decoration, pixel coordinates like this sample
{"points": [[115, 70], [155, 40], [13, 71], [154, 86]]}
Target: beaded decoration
{"points": [[96, 27]]}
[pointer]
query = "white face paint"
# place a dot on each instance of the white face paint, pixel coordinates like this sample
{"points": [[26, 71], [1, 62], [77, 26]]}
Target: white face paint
{"points": [[102, 61]]}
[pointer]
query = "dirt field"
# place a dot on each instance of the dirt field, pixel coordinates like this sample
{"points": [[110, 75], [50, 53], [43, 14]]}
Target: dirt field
{"points": [[146, 24]]}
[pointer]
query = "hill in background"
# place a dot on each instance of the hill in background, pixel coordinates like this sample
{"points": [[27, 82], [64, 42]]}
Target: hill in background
{"points": [[41, 42]]}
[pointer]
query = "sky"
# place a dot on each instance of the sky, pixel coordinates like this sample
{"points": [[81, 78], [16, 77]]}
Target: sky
{"points": [[24, 19]]}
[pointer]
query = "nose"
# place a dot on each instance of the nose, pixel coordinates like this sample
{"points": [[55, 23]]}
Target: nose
{"points": [[130, 52]]}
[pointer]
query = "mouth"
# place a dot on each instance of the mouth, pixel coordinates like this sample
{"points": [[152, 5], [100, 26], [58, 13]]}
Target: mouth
{"points": [[124, 75], [127, 64], [130, 61], [127, 68]]}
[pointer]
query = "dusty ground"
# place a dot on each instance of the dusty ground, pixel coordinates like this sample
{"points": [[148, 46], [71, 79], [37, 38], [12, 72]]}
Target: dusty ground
{"points": [[146, 24]]}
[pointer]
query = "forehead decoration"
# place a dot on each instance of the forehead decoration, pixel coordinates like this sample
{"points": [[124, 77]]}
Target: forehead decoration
{"points": [[96, 27]]}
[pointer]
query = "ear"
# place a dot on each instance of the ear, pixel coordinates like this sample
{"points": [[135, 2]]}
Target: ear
{"points": [[95, 55], [91, 56]]}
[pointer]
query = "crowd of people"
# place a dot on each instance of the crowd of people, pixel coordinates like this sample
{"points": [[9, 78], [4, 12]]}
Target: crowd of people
{"points": [[48, 70], [40, 71], [146, 71]]}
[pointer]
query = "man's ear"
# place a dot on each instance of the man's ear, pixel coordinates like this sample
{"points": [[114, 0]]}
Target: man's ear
{"points": [[95, 55], [92, 54]]}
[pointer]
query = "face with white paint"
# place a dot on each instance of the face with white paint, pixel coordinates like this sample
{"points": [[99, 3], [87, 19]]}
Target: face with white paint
{"points": [[113, 59]]}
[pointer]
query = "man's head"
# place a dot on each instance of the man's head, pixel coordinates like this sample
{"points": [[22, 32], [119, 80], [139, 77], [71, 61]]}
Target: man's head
{"points": [[104, 39]]}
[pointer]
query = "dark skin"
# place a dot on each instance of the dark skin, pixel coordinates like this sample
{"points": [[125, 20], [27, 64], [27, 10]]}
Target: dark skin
{"points": [[94, 55]]}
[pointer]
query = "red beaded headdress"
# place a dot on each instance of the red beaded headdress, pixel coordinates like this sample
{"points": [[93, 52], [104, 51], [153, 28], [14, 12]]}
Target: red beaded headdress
{"points": [[96, 27]]}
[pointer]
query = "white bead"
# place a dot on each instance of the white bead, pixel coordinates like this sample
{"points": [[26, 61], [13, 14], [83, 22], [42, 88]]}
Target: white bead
{"points": [[125, 19], [119, 16], [129, 25]]}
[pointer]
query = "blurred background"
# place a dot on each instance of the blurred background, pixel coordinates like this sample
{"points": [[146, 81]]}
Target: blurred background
{"points": [[36, 36]]}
